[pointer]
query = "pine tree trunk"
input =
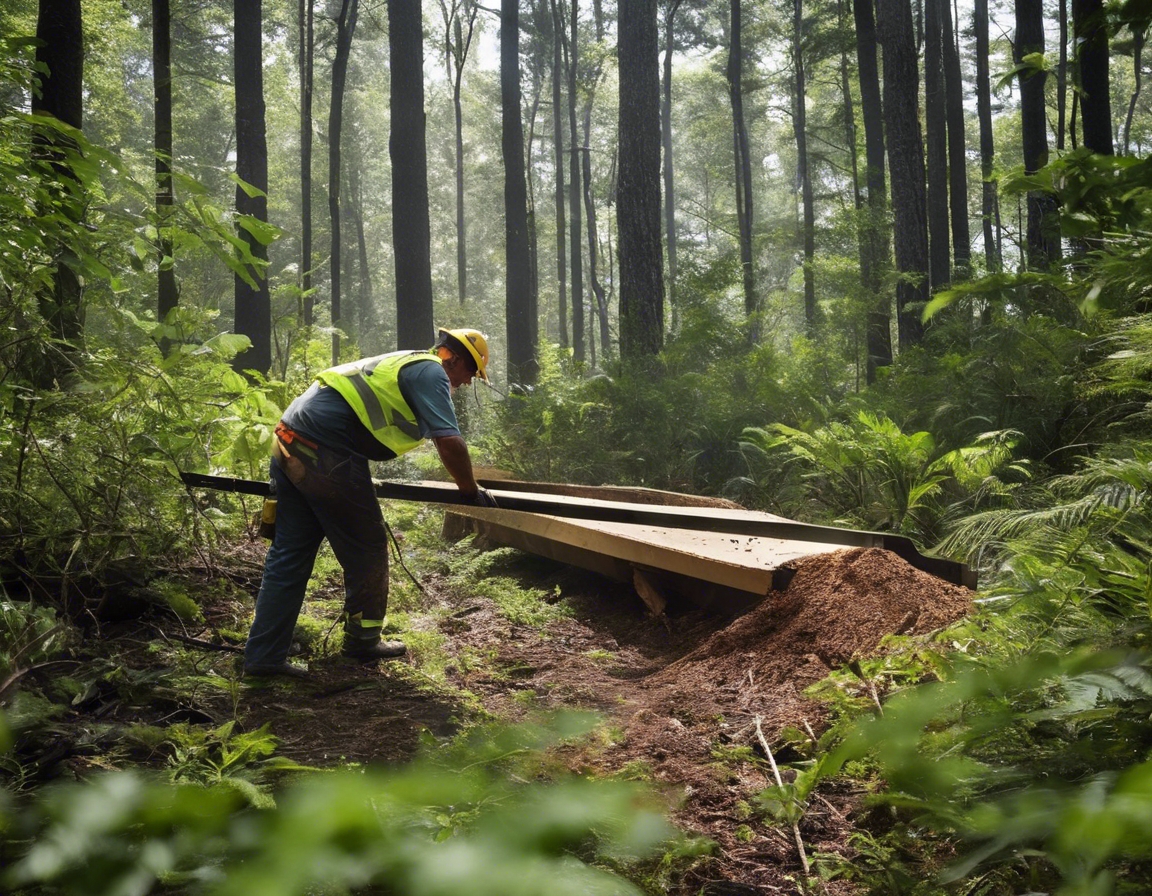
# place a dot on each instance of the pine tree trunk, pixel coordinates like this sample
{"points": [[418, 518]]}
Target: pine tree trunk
{"points": [[520, 312], [558, 155], [800, 128], [1043, 237], [936, 145], [307, 54], [411, 232], [1139, 35], [60, 55], [167, 296], [990, 204], [744, 211], [874, 255], [253, 301], [666, 142], [1091, 36], [345, 29], [905, 165], [638, 184], [957, 149], [574, 226]]}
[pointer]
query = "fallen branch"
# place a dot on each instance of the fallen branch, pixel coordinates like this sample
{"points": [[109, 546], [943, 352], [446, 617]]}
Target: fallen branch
{"points": [[197, 642], [779, 783]]}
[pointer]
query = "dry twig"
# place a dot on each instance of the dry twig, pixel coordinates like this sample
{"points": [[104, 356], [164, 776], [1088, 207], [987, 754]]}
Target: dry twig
{"points": [[779, 783]]}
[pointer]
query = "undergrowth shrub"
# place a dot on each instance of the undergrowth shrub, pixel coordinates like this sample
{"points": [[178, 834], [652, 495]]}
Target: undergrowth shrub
{"points": [[460, 820]]}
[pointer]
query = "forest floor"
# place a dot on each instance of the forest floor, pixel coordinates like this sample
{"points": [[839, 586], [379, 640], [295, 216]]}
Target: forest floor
{"points": [[688, 701]]}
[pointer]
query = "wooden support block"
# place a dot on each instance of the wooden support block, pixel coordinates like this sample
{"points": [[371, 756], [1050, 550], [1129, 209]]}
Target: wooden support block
{"points": [[653, 598]]}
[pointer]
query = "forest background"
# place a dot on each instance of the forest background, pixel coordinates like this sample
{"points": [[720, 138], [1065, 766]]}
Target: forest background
{"points": [[899, 282]]}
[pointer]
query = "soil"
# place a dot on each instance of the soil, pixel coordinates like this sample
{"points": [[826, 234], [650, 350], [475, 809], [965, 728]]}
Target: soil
{"points": [[674, 692]]}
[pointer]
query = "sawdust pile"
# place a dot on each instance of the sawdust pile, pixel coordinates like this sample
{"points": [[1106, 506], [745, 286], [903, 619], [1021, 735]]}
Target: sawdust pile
{"points": [[837, 607]]}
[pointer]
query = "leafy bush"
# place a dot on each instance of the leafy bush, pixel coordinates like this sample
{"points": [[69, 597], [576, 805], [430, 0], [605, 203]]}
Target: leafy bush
{"points": [[456, 822]]}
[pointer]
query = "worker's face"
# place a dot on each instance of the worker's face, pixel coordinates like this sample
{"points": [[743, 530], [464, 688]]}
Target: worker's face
{"points": [[459, 371]]}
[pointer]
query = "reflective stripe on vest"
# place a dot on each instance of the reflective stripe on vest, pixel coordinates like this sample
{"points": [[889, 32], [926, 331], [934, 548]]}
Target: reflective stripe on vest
{"points": [[372, 387]]}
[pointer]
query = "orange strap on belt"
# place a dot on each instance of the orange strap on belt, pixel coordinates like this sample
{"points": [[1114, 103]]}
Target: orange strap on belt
{"points": [[288, 436]]}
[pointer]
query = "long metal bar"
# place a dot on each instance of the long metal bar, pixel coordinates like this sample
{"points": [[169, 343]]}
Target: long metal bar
{"points": [[705, 519]]}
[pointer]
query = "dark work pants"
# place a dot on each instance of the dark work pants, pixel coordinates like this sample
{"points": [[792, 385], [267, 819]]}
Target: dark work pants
{"points": [[333, 499]]}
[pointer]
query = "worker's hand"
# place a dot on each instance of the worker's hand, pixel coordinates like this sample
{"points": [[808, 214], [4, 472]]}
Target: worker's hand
{"points": [[483, 498]]}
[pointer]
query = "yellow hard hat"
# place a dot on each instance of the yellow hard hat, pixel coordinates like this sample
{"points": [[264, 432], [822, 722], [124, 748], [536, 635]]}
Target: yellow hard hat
{"points": [[473, 341]]}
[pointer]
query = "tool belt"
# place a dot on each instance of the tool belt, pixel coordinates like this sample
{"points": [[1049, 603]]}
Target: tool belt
{"points": [[286, 445]]}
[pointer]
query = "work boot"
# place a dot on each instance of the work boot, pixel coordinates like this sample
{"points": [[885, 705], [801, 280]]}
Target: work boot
{"points": [[285, 670], [371, 649]]}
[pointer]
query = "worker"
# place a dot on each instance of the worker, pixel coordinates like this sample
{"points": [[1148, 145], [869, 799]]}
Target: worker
{"points": [[373, 409]]}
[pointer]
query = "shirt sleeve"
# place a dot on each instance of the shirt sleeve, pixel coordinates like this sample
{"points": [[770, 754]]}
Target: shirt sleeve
{"points": [[425, 387]]}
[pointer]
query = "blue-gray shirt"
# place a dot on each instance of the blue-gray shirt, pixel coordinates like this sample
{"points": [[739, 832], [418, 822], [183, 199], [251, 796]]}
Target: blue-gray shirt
{"points": [[322, 415]]}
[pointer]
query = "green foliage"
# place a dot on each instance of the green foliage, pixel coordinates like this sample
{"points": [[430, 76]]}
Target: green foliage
{"points": [[470, 573], [870, 474], [453, 822]]}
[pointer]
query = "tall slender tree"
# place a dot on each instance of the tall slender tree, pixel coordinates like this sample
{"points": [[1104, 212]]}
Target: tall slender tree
{"points": [[638, 183], [558, 165], [1043, 237], [253, 300], [345, 29], [666, 142], [60, 59], [305, 66], [1091, 35], [800, 129], [905, 164], [459, 25], [936, 146], [875, 245], [407, 147], [519, 308], [744, 209], [600, 312], [1139, 30], [957, 147], [571, 55], [990, 195], [166, 293]]}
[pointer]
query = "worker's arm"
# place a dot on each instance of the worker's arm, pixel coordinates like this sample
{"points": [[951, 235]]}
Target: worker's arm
{"points": [[454, 455]]}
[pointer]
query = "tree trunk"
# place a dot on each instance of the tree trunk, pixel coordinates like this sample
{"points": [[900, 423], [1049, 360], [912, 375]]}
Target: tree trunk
{"points": [[874, 256], [411, 232], [990, 205], [906, 166], [345, 29], [167, 296], [1062, 75], [666, 142], [520, 312], [307, 54], [638, 185], [456, 45], [936, 140], [1091, 35], [574, 193], [957, 148], [1043, 239], [593, 237], [1139, 34], [800, 129], [743, 170], [60, 57], [253, 301], [558, 149]]}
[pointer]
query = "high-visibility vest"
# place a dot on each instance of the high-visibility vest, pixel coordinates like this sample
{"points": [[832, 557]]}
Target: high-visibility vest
{"points": [[372, 387]]}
